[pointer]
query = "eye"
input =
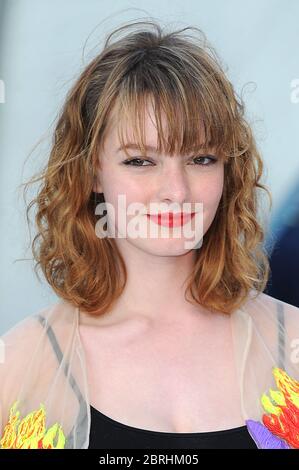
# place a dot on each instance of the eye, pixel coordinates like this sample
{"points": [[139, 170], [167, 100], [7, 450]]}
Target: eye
{"points": [[135, 162], [210, 160], [138, 162]]}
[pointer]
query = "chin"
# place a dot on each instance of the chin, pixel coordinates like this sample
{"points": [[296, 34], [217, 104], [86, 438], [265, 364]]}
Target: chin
{"points": [[164, 247]]}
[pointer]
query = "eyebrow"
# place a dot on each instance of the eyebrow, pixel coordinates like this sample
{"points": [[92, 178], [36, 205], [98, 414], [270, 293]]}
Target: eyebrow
{"points": [[130, 145], [150, 148]]}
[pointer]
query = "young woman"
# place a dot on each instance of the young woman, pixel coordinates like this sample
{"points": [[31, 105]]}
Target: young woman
{"points": [[155, 342]]}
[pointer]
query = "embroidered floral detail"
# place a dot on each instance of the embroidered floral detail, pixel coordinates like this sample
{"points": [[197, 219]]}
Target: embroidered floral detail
{"points": [[280, 428], [30, 432]]}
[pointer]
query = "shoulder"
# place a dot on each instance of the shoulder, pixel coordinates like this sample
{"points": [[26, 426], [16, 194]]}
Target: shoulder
{"points": [[43, 375], [18, 342], [31, 341], [25, 334], [268, 360], [31, 350], [270, 313], [261, 306], [274, 328]]}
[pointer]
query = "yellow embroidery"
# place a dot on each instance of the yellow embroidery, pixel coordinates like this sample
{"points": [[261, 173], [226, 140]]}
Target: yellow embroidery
{"points": [[30, 432]]}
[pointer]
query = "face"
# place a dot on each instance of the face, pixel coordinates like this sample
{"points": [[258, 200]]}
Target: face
{"points": [[158, 182]]}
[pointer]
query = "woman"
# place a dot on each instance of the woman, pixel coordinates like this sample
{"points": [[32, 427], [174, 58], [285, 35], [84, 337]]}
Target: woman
{"points": [[156, 342]]}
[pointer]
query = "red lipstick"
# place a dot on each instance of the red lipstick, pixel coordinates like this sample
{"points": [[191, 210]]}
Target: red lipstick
{"points": [[171, 219]]}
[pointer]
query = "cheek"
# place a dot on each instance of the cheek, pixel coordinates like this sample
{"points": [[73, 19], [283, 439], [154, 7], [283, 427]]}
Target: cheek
{"points": [[210, 190], [120, 194], [131, 192], [209, 194]]}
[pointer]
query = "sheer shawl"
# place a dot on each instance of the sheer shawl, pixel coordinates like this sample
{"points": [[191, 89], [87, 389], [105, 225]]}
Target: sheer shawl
{"points": [[44, 400], [43, 364]]}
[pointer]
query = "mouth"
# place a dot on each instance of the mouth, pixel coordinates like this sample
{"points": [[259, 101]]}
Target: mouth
{"points": [[170, 219]]}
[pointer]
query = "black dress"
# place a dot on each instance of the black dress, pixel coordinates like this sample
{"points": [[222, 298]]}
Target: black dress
{"points": [[106, 433]]}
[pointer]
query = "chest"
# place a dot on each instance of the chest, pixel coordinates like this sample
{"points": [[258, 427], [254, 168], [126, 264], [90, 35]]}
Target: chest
{"points": [[174, 381]]}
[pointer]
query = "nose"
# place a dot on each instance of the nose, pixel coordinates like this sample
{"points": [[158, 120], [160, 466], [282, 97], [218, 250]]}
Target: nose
{"points": [[173, 183]]}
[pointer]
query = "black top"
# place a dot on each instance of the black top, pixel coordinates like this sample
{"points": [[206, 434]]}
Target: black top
{"points": [[106, 433]]}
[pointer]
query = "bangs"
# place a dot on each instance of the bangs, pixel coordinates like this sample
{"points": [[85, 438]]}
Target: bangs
{"points": [[192, 112]]}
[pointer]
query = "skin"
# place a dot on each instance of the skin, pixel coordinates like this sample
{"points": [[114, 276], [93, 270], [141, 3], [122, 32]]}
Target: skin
{"points": [[165, 180], [155, 361]]}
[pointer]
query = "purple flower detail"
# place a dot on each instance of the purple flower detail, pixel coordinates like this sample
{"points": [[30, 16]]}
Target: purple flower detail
{"points": [[263, 438]]}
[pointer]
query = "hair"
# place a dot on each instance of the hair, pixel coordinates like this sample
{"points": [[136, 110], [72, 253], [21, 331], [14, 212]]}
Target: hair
{"points": [[184, 78]]}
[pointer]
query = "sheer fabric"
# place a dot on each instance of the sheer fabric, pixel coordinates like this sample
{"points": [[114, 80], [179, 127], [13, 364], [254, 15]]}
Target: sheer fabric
{"points": [[44, 401]]}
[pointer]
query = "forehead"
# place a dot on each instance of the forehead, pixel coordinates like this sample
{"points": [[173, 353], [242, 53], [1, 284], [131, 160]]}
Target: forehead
{"points": [[120, 126]]}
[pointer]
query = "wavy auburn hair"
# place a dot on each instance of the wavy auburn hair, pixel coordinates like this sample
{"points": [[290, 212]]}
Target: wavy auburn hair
{"points": [[183, 76]]}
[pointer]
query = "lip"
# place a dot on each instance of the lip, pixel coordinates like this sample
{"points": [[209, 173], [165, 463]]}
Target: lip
{"points": [[170, 219]]}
